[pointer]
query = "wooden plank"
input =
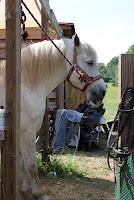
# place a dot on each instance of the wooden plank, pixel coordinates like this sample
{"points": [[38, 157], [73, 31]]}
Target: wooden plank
{"points": [[11, 145], [44, 135], [125, 173], [2, 50], [2, 34], [44, 131], [44, 22], [126, 69], [52, 95], [37, 5], [55, 24], [126, 79], [33, 33], [50, 15], [73, 96], [2, 46], [46, 7], [60, 96]]}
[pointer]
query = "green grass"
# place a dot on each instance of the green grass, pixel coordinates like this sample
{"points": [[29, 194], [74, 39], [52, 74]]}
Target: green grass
{"points": [[111, 101], [59, 167], [83, 164]]}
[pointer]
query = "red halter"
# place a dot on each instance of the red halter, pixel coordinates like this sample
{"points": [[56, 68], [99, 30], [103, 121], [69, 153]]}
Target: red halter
{"points": [[82, 76]]}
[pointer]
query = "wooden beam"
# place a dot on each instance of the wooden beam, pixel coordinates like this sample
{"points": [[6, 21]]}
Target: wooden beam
{"points": [[44, 135], [60, 96], [50, 15], [44, 21], [44, 131], [11, 145], [55, 24]]}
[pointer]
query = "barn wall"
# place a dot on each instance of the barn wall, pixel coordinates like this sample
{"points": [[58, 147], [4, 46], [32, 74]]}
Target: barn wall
{"points": [[73, 97]]}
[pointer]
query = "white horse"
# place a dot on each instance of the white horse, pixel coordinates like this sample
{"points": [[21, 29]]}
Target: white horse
{"points": [[42, 69]]}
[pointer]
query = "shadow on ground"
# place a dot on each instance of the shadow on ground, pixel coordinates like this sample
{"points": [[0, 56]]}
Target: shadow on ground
{"points": [[83, 188]]}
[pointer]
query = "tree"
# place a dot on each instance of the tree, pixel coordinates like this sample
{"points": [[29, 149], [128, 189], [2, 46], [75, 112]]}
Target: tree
{"points": [[131, 49], [112, 70], [103, 71]]}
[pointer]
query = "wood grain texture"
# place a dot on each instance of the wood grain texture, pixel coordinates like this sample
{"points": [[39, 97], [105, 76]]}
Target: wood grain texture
{"points": [[126, 79], [11, 145], [73, 97]]}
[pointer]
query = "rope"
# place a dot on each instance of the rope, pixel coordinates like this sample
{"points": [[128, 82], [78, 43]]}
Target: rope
{"points": [[45, 32]]}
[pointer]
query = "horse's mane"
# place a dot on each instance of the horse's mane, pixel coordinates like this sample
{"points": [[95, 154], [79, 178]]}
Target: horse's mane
{"points": [[39, 60]]}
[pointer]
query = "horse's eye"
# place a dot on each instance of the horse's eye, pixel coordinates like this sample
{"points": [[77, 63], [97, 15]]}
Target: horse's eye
{"points": [[90, 62]]}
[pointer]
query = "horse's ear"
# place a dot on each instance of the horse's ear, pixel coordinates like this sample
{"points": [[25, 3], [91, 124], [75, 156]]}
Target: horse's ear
{"points": [[76, 40]]}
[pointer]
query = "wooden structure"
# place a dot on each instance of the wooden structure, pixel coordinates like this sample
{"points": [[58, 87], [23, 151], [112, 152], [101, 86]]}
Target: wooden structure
{"points": [[126, 79], [124, 176], [11, 145], [73, 97]]}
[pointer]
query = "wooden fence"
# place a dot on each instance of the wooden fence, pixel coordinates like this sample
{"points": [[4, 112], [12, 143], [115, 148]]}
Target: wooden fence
{"points": [[124, 176]]}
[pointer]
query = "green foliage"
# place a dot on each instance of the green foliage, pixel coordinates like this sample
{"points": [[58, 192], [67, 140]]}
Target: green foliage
{"points": [[110, 71], [56, 168], [114, 61], [103, 71], [131, 49]]}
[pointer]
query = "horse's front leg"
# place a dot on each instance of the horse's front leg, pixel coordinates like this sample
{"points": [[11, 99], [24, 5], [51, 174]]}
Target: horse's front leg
{"points": [[30, 184]]}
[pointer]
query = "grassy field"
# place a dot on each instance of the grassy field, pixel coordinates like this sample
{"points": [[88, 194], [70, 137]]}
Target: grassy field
{"points": [[111, 101]]}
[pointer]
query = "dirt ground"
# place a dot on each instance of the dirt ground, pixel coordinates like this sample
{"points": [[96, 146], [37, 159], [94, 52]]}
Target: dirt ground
{"points": [[98, 184], [86, 189]]}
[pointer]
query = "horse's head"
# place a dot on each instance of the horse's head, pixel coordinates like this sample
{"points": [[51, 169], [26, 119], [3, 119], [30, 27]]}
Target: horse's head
{"points": [[85, 74]]}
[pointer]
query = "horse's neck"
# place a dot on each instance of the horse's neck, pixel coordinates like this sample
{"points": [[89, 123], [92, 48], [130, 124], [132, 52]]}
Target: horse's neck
{"points": [[44, 65]]}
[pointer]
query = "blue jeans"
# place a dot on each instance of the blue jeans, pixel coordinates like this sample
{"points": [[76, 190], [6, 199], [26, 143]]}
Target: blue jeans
{"points": [[65, 128]]}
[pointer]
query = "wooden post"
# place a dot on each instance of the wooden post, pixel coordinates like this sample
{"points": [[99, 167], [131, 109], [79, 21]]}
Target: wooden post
{"points": [[44, 135], [126, 79], [124, 178], [11, 145], [44, 21], [44, 132], [60, 96]]}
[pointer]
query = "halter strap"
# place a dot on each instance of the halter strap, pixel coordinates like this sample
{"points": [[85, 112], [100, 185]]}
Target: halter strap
{"points": [[84, 77]]}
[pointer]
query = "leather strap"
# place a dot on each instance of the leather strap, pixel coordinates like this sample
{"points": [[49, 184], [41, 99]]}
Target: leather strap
{"points": [[83, 75]]}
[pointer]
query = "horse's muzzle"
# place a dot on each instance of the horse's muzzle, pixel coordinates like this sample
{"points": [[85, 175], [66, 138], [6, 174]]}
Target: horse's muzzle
{"points": [[98, 95]]}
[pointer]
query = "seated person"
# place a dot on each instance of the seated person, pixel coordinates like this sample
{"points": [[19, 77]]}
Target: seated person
{"points": [[68, 121]]}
